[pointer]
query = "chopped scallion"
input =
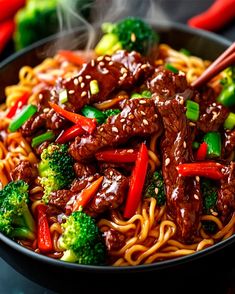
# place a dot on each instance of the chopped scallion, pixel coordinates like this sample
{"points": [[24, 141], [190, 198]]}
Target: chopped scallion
{"points": [[63, 96], [22, 117], [94, 87], [185, 51], [171, 68], [146, 94], [230, 121], [192, 112], [48, 136], [213, 141], [136, 95]]}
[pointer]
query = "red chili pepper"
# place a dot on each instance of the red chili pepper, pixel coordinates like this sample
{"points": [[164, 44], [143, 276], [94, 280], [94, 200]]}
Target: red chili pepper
{"points": [[86, 123], [137, 182], [202, 152], [69, 134], [218, 15], [44, 235], [9, 8], [72, 57], [117, 155], [208, 169], [6, 31], [18, 105]]}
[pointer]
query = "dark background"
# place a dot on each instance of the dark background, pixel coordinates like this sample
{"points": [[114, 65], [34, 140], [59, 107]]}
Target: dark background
{"points": [[12, 282]]}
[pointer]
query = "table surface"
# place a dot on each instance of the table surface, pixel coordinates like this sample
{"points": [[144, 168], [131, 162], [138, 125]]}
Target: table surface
{"points": [[12, 282]]}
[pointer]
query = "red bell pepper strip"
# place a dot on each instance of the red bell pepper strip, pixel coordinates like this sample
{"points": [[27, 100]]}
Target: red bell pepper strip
{"points": [[137, 182], [72, 57], [18, 105], [201, 152], [9, 8], [86, 123], [214, 18], [117, 155], [6, 31], [69, 134], [86, 194], [44, 235], [208, 169]]}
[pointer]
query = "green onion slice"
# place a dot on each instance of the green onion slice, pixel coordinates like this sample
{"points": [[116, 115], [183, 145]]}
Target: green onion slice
{"points": [[48, 136], [63, 96], [230, 121], [171, 68], [22, 117], [193, 111]]}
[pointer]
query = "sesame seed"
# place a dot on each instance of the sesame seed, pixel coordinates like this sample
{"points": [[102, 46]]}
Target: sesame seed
{"points": [[107, 58], [131, 116], [57, 124], [143, 66], [40, 96], [45, 110], [167, 161], [90, 178], [155, 115], [111, 63], [82, 85], [100, 58], [71, 91], [197, 179], [225, 206], [145, 122], [105, 71], [111, 173], [196, 196], [130, 150], [142, 112], [92, 62], [101, 63], [214, 104], [214, 213], [115, 129], [88, 77], [75, 81], [122, 120], [83, 93], [133, 37], [156, 190], [192, 124], [80, 79], [101, 129], [123, 70], [142, 102], [184, 144], [118, 178]]}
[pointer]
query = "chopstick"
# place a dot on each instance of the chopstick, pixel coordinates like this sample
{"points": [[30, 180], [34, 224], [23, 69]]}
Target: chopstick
{"points": [[226, 59]]}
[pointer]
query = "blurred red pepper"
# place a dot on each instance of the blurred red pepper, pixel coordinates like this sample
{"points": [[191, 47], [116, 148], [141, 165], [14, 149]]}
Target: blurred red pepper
{"points": [[219, 14], [117, 155], [18, 105], [72, 57], [202, 152], [9, 8], [6, 32], [44, 235], [69, 134]]}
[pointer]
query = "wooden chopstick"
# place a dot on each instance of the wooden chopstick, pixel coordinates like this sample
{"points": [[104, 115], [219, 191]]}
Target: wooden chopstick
{"points": [[226, 59]]}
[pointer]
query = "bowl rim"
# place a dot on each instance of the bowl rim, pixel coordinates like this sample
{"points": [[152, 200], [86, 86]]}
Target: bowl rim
{"points": [[158, 265]]}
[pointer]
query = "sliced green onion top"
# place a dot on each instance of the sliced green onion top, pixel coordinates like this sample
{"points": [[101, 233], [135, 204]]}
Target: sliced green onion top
{"points": [[213, 140], [63, 96], [22, 117], [94, 87], [193, 111], [171, 68], [93, 112], [48, 136], [136, 95], [146, 94], [185, 51], [227, 96], [230, 121]]}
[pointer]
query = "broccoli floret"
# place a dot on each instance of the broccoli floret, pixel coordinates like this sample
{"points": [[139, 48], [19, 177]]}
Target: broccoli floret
{"points": [[155, 188], [82, 240], [16, 220], [55, 169], [209, 192], [129, 34], [111, 112]]}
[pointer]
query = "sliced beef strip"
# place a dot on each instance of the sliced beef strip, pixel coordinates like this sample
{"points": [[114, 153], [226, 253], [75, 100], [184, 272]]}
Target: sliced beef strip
{"points": [[226, 193], [111, 193], [79, 184], [84, 170], [58, 199], [113, 73], [228, 143], [183, 194], [24, 171], [114, 240], [138, 118]]}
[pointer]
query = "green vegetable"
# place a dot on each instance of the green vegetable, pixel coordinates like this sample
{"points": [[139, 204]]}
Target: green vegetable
{"points": [[193, 110], [82, 240], [209, 193], [229, 123], [48, 136], [111, 112], [92, 112], [63, 96], [227, 95], [16, 220], [185, 51], [155, 188], [171, 68], [129, 34], [94, 87], [22, 117], [213, 141], [39, 19], [55, 169], [143, 94]]}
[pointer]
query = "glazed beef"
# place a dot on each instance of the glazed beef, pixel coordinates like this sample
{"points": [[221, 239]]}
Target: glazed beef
{"points": [[79, 184], [228, 143], [111, 193], [59, 199], [138, 118], [83, 170], [114, 240], [24, 171], [226, 194], [183, 194]]}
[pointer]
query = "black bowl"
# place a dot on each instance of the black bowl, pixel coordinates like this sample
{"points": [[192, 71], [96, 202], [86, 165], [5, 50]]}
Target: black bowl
{"points": [[65, 277]]}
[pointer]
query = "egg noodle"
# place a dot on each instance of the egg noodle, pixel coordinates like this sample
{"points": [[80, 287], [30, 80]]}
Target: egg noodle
{"points": [[150, 235]]}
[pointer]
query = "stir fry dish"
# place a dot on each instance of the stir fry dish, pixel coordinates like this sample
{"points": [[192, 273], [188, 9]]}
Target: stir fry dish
{"points": [[112, 157]]}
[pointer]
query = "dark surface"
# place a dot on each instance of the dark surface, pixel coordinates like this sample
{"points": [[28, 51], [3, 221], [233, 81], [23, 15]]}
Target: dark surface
{"points": [[222, 282]]}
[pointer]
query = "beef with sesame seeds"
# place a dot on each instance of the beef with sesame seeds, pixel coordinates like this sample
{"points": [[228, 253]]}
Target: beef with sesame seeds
{"points": [[24, 171], [138, 118], [114, 240], [84, 170], [226, 193], [81, 183], [111, 193], [228, 144], [58, 199], [184, 202]]}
